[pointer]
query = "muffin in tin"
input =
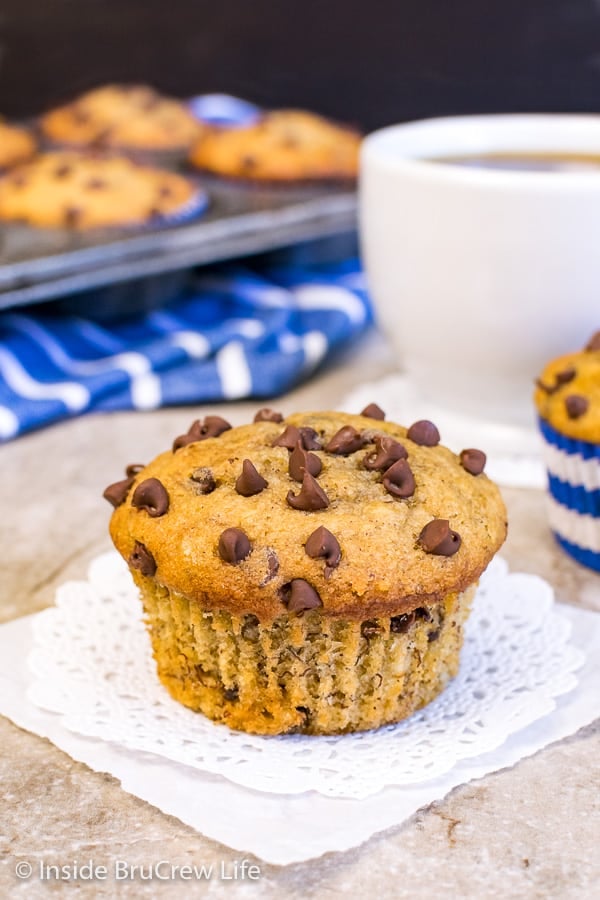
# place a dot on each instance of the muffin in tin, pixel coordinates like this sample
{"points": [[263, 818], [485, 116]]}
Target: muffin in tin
{"points": [[123, 117], [16, 145], [282, 146], [567, 398], [309, 574], [79, 191]]}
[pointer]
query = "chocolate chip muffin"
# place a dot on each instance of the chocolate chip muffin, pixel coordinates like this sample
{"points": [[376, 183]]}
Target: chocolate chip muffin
{"points": [[77, 191], [16, 145], [567, 398], [125, 117], [283, 146], [307, 574]]}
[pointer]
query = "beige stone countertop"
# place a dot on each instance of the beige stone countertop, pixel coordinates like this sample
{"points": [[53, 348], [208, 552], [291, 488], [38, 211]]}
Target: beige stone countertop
{"points": [[531, 831]]}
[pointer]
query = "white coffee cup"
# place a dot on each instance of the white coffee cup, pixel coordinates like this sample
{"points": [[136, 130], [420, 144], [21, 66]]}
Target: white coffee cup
{"points": [[479, 275]]}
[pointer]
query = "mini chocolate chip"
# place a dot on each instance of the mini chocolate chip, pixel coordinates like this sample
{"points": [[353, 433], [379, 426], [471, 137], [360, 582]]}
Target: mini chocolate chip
{"points": [[322, 544], [234, 546], [154, 212], [96, 184], [438, 538], [346, 440], [268, 415], [200, 430], [248, 161], [152, 496], [250, 482], [204, 480], [399, 480], [433, 635], [565, 376], [117, 493], [298, 595], [288, 438], [400, 624], [424, 433], [62, 171], [142, 560], [311, 497], [231, 694], [473, 461], [372, 411], [386, 452], [544, 387], [72, 216], [576, 406], [134, 468], [370, 629], [301, 461], [310, 439], [164, 191], [594, 342]]}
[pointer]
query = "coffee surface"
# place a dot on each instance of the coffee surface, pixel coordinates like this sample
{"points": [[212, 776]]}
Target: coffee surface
{"points": [[535, 161]]}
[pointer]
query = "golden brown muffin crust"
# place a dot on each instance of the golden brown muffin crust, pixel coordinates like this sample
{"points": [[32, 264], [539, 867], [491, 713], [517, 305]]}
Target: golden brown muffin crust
{"points": [[123, 116], [284, 145], [16, 145], [567, 394], [384, 567], [74, 190]]}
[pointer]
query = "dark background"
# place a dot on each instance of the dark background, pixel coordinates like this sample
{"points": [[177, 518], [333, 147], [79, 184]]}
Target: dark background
{"points": [[370, 63]]}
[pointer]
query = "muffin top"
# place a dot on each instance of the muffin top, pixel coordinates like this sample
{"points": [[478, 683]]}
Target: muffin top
{"points": [[16, 145], [567, 393], [284, 145], [73, 190], [123, 116], [350, 513]]}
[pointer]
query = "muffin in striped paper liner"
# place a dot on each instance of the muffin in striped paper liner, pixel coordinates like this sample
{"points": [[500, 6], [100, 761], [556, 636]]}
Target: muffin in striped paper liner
{"points": [[567, 398]]}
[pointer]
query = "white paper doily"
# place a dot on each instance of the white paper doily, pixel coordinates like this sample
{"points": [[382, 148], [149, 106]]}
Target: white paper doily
{"points": [[93, 665], [514, 452]]}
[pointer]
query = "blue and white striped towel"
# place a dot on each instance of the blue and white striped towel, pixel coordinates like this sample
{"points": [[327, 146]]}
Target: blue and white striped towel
{"points": [[237, 334]]}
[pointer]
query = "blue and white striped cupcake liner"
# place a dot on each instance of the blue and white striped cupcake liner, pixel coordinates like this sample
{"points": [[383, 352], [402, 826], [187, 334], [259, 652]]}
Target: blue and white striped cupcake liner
{"points": [[574, 494]]}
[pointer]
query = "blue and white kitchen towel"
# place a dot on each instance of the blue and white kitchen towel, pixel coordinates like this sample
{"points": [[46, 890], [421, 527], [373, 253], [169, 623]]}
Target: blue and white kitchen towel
{"points": [[237, 334]]}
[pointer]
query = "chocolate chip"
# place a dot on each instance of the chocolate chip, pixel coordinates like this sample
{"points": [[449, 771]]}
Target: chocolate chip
{"points": [[298, 595], [594, 342], [346, 440], [387, 452], [310, 439], [234, 546], [204, 480], [473, 461], [438, 538], [250, 482], [288, 438], [248, 161], [311, 497], [301, 461], [96, 184], [565, 376], [424, 433], [322, 544], [142, 560], [370, 629], [400, 624], [133, 469], [117, 493], [268, 415], [544, 387], [200, 430], [576, 406], [72, 216], [62, 171], [231, 694], [372, 411], [164, 191], [152, 496], [433, 635], [399, 480]]}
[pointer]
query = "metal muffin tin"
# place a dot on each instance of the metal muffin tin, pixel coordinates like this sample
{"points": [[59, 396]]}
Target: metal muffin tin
{"points": [[44, 264]]}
